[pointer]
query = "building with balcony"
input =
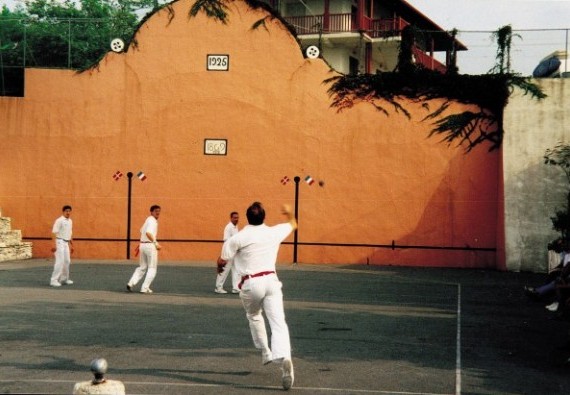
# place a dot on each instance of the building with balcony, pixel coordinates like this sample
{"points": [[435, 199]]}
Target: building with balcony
{"points": [[363, 36]]}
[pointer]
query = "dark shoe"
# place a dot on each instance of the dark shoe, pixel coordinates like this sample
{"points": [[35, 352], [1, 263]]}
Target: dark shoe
{"points": [[531, 292], [129, 288]]}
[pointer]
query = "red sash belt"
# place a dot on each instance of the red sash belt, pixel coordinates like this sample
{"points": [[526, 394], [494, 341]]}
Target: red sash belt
{"points": [[248, 276]]}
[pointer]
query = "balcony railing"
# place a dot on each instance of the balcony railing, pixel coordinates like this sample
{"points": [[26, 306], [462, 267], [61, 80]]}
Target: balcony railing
{"points": [[375, 28], [338, 23]]}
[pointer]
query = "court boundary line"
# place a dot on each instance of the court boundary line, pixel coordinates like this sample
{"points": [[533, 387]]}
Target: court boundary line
{"points": [[237, 386]]}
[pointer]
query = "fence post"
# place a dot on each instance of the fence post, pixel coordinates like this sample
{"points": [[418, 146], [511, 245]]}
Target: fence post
{"points": [[69, 43]]}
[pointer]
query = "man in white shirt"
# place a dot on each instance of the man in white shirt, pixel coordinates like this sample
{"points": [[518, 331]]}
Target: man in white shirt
{"points": [[62, 232], [254, 250], [230, 230], [148, 250]]}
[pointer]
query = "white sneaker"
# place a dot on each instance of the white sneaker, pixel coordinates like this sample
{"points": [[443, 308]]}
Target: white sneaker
{"points": [[146, 291], [288, 374], [220, 291], [68, 282], [552, 306], [266, 357], [235, 291], [54, 284]]}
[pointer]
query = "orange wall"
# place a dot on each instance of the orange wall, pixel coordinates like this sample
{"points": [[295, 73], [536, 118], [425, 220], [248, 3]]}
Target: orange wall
{"points": [[151, 108]]}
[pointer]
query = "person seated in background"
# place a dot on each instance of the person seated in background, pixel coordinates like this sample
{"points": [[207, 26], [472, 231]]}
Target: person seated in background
{"points": [[559, 275]]}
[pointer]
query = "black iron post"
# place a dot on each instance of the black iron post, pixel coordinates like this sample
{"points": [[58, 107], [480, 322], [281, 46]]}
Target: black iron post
{"points": [[296, 235], [130, 177]]}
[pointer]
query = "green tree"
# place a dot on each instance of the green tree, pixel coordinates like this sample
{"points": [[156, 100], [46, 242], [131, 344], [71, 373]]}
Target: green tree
{"points": [[68, 34], [559, 156]]}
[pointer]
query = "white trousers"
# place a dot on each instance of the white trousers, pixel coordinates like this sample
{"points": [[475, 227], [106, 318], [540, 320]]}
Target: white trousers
{"points": [[263, 294], [221, 277], [62, 261], [148, 263]]}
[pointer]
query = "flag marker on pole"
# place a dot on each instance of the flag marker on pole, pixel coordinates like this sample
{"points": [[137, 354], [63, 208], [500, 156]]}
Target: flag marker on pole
{"points": [[117, 176], [141, 176]]}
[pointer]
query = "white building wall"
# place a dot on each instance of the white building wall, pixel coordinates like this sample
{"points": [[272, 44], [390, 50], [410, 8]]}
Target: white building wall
{"points": [[534, 191]]}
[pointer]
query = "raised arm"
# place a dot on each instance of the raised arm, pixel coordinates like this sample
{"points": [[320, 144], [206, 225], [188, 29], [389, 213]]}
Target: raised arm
{"points": [[287, 212]]}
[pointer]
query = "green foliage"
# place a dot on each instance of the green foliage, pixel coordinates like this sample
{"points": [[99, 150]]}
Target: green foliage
{"points": [[489, 93], [68, 34], [216, 9], [504, 37], [559, 156]]}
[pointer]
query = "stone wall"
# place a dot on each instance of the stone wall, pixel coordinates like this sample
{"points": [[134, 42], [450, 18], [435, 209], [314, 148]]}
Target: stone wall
{"points": [[533, 191], [11, 245]]}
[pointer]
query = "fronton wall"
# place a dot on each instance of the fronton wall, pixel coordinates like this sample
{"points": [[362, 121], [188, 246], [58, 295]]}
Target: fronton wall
{"points": [[384, 182]]}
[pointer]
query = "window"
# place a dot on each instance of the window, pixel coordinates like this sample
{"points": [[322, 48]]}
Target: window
{"points": [[12, 81]]}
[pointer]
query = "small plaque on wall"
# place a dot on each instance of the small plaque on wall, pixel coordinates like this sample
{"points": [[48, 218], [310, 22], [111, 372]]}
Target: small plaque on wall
{"points": [[215, 147], [218, 62]]}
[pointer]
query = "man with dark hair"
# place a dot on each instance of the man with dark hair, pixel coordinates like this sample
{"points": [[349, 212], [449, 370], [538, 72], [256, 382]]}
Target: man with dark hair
{"points": [[230, 230], [62, 232], [254, 251], [148, 250]]}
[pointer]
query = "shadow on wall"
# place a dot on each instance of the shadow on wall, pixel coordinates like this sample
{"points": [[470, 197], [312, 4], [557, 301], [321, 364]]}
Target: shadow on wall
{"points": [[458, 227], [532, 196]]}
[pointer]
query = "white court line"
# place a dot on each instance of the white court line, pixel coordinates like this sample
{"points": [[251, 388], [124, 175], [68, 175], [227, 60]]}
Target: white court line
{"points": [[311, 389], [458, 344]]}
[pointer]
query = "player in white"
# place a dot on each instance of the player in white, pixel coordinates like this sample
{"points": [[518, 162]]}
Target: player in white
{"points": [[148, 253], [230, 230], [62, 233], [254, 251]]}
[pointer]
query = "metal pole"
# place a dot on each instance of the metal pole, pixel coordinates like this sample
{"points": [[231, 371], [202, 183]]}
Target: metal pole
{"points": [[296, 234], [130, 177], [566, 50], [69, 44], [25, 44]]}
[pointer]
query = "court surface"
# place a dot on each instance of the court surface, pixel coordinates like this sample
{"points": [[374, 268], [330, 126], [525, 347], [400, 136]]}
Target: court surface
{"points": [[355, 329]]}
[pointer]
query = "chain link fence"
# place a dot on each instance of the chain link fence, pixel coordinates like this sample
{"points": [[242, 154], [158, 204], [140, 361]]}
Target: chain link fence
{"points": [[58, 43], [79, 43]]}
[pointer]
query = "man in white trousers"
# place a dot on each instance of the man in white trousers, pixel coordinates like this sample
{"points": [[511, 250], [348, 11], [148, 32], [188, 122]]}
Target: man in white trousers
{"points": [[148, 250], [230, 230], [254, 251], [62, 232]]}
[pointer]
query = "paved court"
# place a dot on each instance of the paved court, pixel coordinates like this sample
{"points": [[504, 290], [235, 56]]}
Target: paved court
{"points": [[354, 329]]}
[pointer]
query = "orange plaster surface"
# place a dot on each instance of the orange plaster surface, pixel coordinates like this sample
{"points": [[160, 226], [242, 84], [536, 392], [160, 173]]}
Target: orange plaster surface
{"points": [[151, 108]]}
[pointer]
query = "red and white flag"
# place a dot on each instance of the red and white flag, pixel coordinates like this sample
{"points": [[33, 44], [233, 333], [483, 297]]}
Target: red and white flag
{"points": [[285, 180], [117, 176], [141, 176], [309, 180]]}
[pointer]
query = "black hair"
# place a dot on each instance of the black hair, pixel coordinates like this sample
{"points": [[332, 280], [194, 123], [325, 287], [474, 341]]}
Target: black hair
{"points": [[66, 207], [232, 213], [154, 207], [255, 214]]}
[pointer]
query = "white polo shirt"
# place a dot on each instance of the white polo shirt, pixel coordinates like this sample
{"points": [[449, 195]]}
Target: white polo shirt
{"points": [[230, 230], [63, 228], [150, 226], [254, 249]]}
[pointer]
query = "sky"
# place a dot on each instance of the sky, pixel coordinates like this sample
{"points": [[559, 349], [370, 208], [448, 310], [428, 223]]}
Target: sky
{"points": [[543, 27]]}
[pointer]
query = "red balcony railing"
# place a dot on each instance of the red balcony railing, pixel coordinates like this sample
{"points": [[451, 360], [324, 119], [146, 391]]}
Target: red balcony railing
{"points": [[337, 23], [427, 61], [375, 28]]}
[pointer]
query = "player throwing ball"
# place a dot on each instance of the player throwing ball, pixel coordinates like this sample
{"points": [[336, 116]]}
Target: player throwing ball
{"points": [[254, 251]]}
